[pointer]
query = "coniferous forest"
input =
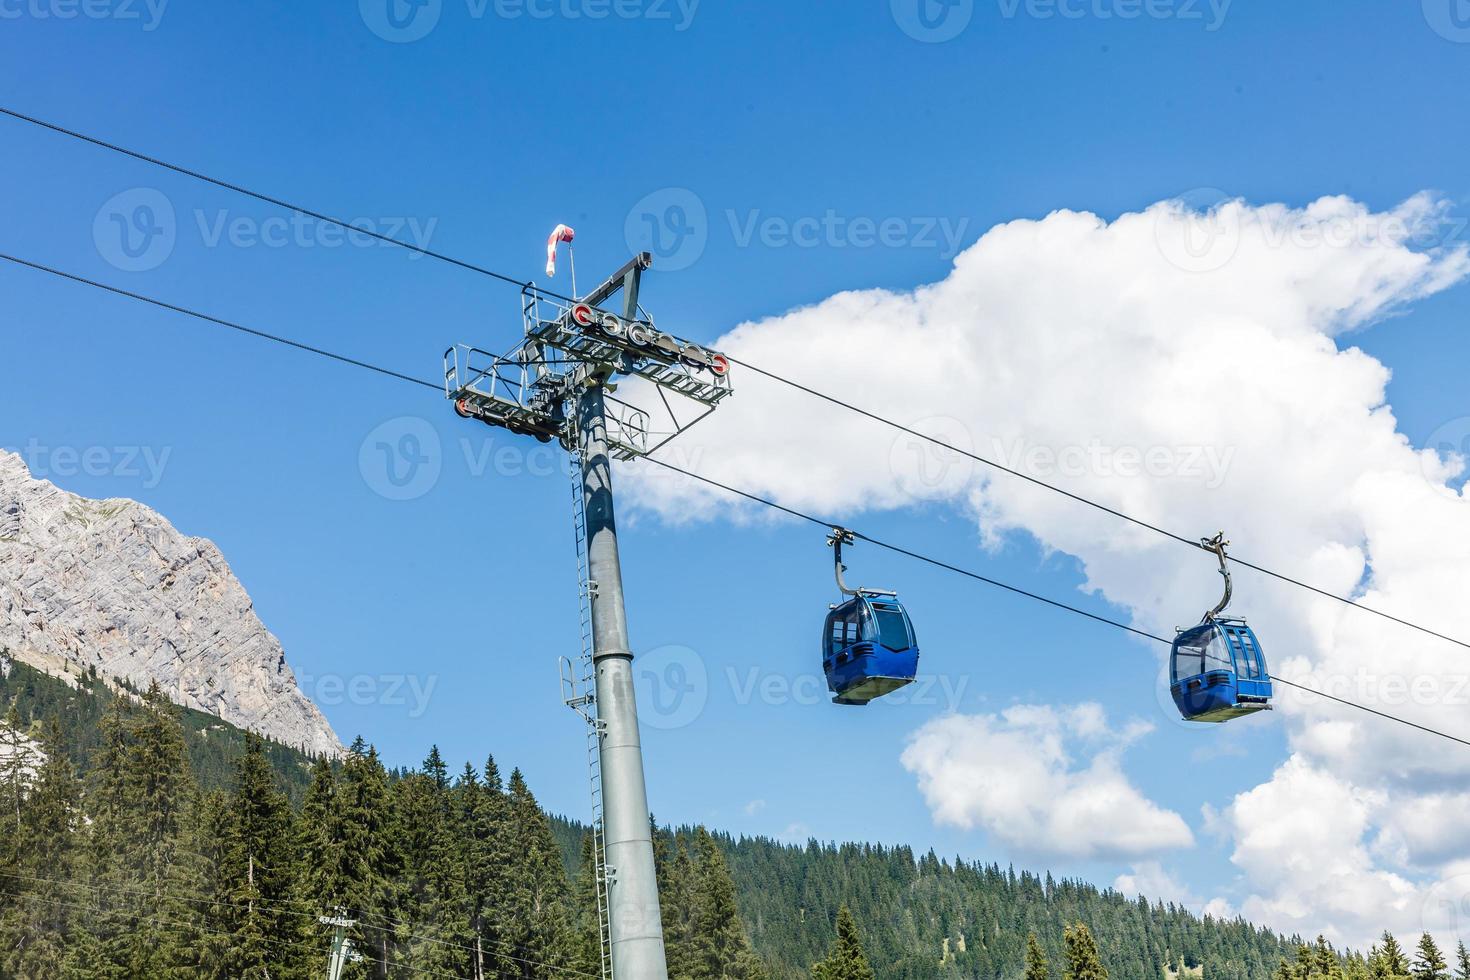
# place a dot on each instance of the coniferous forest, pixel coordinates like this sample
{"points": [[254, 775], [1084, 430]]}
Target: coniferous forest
{"points": [[132, 851]]}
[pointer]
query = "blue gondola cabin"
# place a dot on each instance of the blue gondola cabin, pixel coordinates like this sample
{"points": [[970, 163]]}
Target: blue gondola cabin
{"points": [[868, 648], [1218, 672]]}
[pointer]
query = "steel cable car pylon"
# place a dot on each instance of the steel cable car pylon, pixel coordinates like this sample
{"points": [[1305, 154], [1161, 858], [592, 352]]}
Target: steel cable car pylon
{"points": [[868, 643], [1217, 670]]}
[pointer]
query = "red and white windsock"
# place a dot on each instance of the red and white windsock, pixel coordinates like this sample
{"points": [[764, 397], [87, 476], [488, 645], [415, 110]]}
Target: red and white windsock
{"points": [[560, 234]]}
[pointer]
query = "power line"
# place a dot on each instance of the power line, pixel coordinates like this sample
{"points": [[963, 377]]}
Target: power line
{"points": [[1121, 515], [398, 931], [218, 322], [1192, 542], [196, 927], [750, 496], [277, 202], [1040, 598]]}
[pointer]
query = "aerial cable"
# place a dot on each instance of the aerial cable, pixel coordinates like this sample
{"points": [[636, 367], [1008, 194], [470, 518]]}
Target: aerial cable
{"points": [[747, 495], [524, 284]]}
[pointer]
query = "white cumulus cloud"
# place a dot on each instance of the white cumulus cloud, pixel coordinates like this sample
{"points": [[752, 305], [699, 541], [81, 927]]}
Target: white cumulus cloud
{"points": [[1195, 371], [1043, 780]]}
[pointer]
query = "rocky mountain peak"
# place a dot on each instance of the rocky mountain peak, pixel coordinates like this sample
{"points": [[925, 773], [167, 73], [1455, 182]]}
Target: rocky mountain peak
{"points": [[110, 585]]}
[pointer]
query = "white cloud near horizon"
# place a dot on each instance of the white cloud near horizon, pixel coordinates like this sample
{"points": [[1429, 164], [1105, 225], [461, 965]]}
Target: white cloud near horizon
{"points": [[1195, 371], [1043, 781]]}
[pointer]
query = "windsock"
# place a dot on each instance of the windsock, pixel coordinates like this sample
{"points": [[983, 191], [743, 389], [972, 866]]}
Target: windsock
{"points": [[561, 234]]}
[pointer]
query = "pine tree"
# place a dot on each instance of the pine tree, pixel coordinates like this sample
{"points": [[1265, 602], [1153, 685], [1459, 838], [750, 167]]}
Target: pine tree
{"points": [[1462, 958], [538, 891], [720, 946], [433, 895], [1036, 966], [1386, 961], [484, 815], [584, 900], [256, 870], [1429, 964], [1083, 961], [145, 794], [41, 896], [846, 961]]}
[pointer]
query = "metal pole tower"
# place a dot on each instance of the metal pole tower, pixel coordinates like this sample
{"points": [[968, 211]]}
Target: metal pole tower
{"points": [[557, 384], [341, 944]]}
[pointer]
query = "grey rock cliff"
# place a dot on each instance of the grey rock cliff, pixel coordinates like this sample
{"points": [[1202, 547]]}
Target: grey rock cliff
{"points": [[111, 584]]}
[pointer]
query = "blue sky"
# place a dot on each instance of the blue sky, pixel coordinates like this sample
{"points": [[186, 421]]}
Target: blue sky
{"points": [[761, 119]]}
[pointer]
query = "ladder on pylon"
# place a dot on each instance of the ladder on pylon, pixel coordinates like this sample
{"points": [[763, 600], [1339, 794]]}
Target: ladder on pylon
{"points": [[579, 691]]}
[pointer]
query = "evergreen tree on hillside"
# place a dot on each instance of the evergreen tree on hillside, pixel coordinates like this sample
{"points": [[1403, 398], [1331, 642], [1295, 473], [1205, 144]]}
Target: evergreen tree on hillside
{"points": [[346, 856], [1462, 959], [538, 893], [485, 839], [1083, 960], [1386, 961], [434, 898], [145, 792], [1036, 966], [847, 961], [256, 867], [721, 949], [1429, 963], [36, 921], [676, 902], [588, 927]]}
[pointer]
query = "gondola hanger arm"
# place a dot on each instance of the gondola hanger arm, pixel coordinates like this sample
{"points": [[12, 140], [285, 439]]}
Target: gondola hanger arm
{"points": [[1217, 546]]}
